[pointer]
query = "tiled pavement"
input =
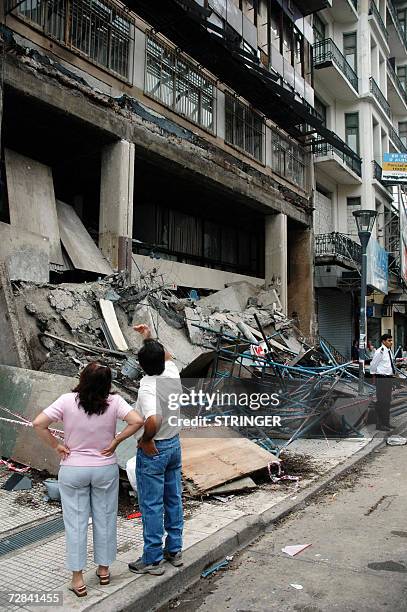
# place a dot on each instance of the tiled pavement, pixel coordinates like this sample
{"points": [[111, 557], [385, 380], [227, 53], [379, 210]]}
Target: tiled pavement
{"points": [[40, 566]]}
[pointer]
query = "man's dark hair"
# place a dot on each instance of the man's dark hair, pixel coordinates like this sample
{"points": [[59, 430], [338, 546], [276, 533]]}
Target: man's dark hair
{"points": [[386, 337], [151, 357]]}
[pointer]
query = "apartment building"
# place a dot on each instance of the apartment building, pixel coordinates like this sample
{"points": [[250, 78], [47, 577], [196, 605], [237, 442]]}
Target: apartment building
{"points": [[360, 85], [180, 132]]}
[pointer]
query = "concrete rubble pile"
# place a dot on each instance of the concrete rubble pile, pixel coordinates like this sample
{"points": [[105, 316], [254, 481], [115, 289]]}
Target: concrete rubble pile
{"points": [[63, 327]]}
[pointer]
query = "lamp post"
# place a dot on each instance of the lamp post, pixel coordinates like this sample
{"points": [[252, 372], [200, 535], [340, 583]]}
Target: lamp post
{"points": [[364, 220]]}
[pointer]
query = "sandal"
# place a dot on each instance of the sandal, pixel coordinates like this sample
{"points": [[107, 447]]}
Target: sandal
{"points": [[103, 580], [80, 591]]}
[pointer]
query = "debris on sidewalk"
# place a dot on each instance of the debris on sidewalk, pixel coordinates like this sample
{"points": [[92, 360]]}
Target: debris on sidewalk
{"points": [[210, 462], [396, 441], [17, 482], [294, 549], [298, 587]]}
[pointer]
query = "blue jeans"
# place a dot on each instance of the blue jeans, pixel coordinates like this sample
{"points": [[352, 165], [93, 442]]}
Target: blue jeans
{"points": [[159, 490]]}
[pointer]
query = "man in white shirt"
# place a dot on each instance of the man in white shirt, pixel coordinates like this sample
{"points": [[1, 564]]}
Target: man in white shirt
{"points": [[158, 467], [383, 368]]}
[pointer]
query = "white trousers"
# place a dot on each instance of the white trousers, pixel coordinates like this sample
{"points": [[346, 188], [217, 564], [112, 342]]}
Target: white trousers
{"points": [[89, 491]]}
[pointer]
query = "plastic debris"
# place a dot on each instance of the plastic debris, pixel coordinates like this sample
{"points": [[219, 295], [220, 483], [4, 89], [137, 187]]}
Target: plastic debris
{"points": [[294, 549], [212, 569], [396, 441], [133, 515], [299, 587]]}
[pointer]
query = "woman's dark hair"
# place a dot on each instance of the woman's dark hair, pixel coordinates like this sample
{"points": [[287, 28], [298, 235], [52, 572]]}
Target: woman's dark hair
{"points": [[94, 387], [151, 357]]}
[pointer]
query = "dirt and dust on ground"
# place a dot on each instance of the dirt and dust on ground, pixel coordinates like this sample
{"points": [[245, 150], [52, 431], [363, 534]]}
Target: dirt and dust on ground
{"points": [[197, 593]]}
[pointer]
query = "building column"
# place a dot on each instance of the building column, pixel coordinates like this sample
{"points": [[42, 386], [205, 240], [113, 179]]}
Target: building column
{"points": [[276, 255], [301, 281], [116, 204]]}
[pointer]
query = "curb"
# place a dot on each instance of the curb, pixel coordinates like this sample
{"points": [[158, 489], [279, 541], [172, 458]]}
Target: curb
{"points": [[154, 591]]}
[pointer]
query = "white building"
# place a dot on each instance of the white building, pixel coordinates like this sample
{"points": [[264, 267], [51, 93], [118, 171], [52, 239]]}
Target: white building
{"points": [[360, 84]]}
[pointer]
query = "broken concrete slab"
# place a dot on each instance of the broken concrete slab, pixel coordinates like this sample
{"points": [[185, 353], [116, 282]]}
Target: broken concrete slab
{"points": [[241, 484], [13, 345], [26, 255], [194, 332], [32, 200], [26, 393], [234, 298], [72, 307], [174, 340], [269, 298], [80, 247]]}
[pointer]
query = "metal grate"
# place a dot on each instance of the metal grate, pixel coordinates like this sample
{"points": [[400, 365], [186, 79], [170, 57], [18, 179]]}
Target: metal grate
{"points": [[30, 536], [100, 29]]}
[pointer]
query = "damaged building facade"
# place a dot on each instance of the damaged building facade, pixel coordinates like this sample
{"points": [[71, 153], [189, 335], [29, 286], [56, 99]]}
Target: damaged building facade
{"points": [[175, 138]]}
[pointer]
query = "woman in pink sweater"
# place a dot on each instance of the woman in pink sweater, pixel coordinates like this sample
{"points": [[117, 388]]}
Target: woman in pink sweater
{"points": [[89, 475]]}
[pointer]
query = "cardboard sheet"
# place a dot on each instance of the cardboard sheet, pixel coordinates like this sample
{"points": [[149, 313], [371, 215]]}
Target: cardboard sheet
{"points": [[211, 461]]}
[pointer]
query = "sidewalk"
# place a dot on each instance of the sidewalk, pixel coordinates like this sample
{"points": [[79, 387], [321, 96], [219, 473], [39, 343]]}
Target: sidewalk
{"points": [[32, 543]]}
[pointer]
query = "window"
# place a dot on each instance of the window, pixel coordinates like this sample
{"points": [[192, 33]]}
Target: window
{"points": [[350, 49], [321, 109], [177, 83], [244, 127], [319, 29], [352, 131], [275, 26], [99, 29], [233, 244], [402, 16], [288, 159], [352, 205], [403, 132], [402, 75]]}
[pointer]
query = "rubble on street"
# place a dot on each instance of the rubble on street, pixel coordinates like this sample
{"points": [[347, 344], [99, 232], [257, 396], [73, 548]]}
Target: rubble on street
{"points": [[234, 336]]}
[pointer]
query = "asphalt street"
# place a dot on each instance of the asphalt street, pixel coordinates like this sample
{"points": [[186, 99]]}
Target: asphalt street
{"points": [[357, 560]]}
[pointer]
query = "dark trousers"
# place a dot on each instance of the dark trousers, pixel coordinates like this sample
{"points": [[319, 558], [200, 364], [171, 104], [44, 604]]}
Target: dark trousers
{"points": [[384, 387]]}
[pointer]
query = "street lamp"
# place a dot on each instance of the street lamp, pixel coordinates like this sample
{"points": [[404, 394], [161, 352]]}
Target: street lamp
{"points": [[364, 220]]}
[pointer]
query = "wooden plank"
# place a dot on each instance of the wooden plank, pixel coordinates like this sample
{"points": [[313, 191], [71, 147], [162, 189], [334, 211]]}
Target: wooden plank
{"points": [[109, 315], [80, 247], [211, 461], [32, 200]]}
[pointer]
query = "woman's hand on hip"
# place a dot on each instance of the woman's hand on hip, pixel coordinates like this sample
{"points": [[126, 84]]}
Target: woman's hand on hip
{"points": [[110, 450], [63, 451]]}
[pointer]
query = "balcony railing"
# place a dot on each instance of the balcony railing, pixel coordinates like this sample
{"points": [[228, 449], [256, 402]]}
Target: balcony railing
{"points": [[397, 81], [327, 150], [397, 22], [377, 174], [326, 51], [397, 140], [377, 93], [373, 10], [339, 247]]}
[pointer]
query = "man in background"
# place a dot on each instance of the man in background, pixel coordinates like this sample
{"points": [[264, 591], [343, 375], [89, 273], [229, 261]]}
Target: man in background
{"points": [[383, 368]]}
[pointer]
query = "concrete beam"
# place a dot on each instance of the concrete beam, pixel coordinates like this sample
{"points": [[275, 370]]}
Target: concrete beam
{"points": [[156, 136], [116, 204], [276, 255]]}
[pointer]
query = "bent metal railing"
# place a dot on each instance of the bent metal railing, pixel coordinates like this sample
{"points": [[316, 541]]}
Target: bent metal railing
{"points": [[339, 247]]}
